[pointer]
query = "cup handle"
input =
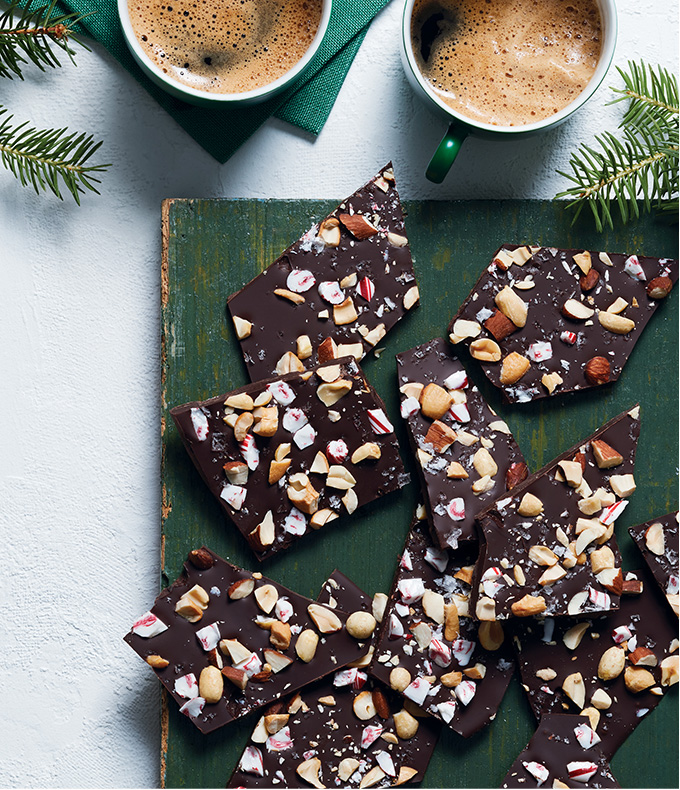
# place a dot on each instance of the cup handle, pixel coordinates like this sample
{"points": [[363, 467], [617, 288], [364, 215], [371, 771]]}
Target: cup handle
{"points": [[441, 162]]}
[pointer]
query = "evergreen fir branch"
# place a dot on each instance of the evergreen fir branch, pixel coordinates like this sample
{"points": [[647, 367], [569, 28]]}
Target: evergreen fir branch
{"points": [[641, 163], [35, 36], [49, 159]]}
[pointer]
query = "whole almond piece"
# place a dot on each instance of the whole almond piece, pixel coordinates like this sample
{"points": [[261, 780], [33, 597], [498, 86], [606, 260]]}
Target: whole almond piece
{"points": [[597, 370], [516, 474], [659, 287], [201, 559]]}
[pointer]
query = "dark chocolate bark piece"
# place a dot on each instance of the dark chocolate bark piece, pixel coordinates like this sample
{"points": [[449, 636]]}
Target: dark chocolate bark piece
{"points": [[340, 731], [658, 541], [615, 668], [430, 650], [225, 642], [287, 455], [550, 547], [466, 455], [543, 321], [336, 291], [563, 752]]}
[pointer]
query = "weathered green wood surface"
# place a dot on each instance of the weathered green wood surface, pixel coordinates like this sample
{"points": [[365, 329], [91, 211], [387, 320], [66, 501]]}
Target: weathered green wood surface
{"points": [[212, 247]]}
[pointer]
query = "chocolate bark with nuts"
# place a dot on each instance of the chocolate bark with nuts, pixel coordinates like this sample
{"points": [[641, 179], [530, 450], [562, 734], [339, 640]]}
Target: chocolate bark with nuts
{"points": [[658, 541], [226, 619], [345, 722], [543, 321], [461, 471], [563, 752], [430, 650], [337, 290], [549, 546], [287, 455], [615, 668]]}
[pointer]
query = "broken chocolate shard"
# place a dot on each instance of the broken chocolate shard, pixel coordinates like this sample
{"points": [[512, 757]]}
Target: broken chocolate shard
{"points": [[658, 541], [549, 545], [286, 456], [572, 317], [343, 285], [477, 457]]}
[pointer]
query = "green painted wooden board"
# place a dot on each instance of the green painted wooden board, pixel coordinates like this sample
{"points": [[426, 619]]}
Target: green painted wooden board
{"points": [[210, 249]]}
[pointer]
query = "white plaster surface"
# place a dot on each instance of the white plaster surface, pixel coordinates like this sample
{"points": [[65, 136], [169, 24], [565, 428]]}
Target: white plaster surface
{"points": [[79, 366]]}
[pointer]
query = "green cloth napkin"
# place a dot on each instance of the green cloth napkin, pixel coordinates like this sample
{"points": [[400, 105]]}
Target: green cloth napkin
{"points": [[221, 131]]}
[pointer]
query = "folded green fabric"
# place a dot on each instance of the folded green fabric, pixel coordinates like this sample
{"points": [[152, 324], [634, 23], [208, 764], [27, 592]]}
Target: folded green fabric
{"points": [[307, 103]]}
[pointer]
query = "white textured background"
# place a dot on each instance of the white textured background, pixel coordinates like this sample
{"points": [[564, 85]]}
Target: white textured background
{"points": [[79, 366]]}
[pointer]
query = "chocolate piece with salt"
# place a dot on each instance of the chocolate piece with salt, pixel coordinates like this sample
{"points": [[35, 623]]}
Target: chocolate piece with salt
{"points": [[563, 752], [543, 321], [658, 541], [550, 547], [466, 455], [430, 650], [346, 730], [225, 642], [614, 668], [288, 455], [336, 291]]}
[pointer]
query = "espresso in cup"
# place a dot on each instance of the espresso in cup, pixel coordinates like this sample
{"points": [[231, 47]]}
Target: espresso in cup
{"points": [[225, 46], [506, 62]]}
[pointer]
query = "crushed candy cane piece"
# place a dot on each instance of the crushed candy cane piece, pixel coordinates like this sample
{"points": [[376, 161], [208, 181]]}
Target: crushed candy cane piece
{"points": [[148, 625], [600, 600], [611, 513], [370, 735], [437, 558], [395, 629], [465, 691], [417, 690], [540, 351], [234, 495], [633, 268], [366, 288], [537, 770], [209, 636], [337, 450], [459, 412], [456, 509], [281, 392], [187, 686], [379, 422], [200, 423], [568, 337], [585, 736], [194, 707], [581, 771], [440, 653], [409, 407], [462, 650], [456, 381], [249, 451], [411, 590], [295, 522], [251, 761], [280, 741], [294, 419], [447, 710], [283, 609], [305, 437], [331, 292]]}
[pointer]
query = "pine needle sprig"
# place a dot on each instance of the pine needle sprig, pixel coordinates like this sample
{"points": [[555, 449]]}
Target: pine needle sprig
{"points": [[36, 36], [49, 159], [641, 162]]}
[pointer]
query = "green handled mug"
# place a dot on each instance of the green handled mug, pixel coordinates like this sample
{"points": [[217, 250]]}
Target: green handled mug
{"points": [[461, 126]]}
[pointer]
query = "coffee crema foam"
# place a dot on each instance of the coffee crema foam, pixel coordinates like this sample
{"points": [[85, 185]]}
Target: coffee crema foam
{"points": [[225, 46], [507, 62]]}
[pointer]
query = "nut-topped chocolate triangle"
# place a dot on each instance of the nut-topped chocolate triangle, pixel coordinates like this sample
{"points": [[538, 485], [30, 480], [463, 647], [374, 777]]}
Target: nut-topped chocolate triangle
{"points": [[658, 541], [336, 291]]}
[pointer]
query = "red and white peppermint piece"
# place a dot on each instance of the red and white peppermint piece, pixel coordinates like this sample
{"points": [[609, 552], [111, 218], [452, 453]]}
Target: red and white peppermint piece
{"points": [[581, 771], [585, 736], [300, 280], [251, 665], [200, 423], [600, 600], [633, 268], [409, 407], [337, 450], [379, 422], [350, 677], [440, 653], [331, 292], [405, 561], [308, 754], [568, 337], [148, 625], [673, 585], [234, 495], [187, 686], [401, 609], [437, 558], [305, 437], [621, 634], [194, 707], [295, 522], [283, 609], [366, 288], [281, 392], [280, 741], [447, 710], [293, 420], [209, 636], [428, 666], [456, 509], [417, 690], [459, 412], [611, 513], [462, 650], [249, 452], [456, 381], [537, 770], [370, 735], [411, 590], [465, 691], [386, 763], [540, 351], [251, 761], [394, 627], [547, 690]]}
